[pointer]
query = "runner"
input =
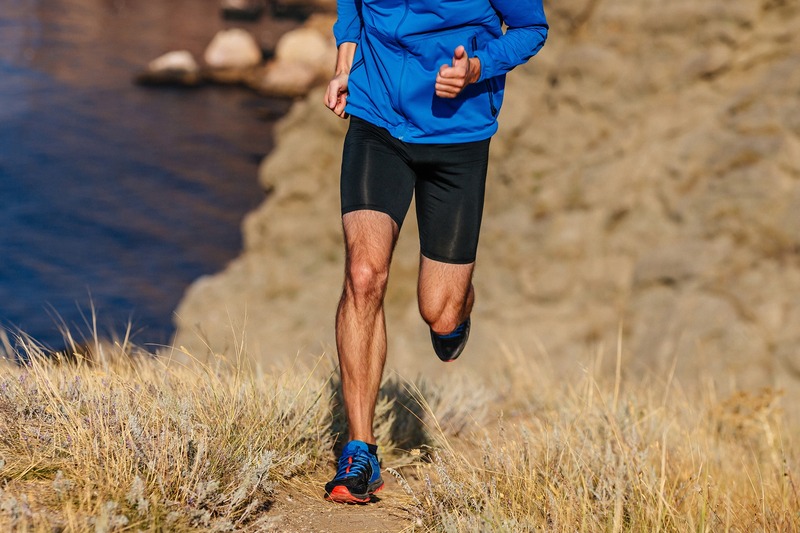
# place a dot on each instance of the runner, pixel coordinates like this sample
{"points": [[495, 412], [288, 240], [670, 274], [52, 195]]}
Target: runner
{"points": [[422, 81]]}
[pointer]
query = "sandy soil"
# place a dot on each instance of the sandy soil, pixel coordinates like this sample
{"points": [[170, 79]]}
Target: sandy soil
{"points": [[300, 510]]}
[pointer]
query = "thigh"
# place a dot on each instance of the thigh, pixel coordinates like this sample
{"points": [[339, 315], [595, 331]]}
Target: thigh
{"points": [[449, 196], [375, 172], [442, 283], [370, 237]]}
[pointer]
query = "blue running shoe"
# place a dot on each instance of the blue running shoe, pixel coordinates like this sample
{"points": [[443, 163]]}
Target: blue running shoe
{"points": [[358, 476], [450, 345]]}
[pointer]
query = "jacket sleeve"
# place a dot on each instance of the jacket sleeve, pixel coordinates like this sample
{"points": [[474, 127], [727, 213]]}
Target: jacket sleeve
{"points": [[348, 21], [525, 35]]}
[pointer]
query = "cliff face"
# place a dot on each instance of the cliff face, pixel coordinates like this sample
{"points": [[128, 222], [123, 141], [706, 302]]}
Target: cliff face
{"points": [[645, 180]]}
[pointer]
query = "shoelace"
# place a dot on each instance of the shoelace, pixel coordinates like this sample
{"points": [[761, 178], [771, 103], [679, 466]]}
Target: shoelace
{"points": [[353, 465]]}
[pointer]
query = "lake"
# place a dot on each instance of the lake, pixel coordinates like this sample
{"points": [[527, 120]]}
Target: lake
{"points": [[115, 197]]}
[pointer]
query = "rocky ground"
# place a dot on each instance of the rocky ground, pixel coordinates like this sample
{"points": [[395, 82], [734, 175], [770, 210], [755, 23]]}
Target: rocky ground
{"points": [[644, 190]]}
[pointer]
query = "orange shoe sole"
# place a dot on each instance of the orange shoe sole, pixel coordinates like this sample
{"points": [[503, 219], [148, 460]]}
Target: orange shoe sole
{"points": [[340, 494]]}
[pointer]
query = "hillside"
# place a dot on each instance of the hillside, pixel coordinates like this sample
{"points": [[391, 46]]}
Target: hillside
{"points": [[646, 177]]}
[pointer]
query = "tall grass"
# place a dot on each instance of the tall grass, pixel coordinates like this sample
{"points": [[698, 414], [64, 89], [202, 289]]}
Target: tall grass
{"points": [[106, 436], [584, 453], [111, 438], [120, 439]]}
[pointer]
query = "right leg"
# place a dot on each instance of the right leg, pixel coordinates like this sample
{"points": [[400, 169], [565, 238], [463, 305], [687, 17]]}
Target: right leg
{"points": [[376, 189], [370, 237]]}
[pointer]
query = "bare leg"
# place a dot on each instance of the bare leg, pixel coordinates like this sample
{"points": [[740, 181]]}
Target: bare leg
{"points": [[370, 237], [445, 294]]}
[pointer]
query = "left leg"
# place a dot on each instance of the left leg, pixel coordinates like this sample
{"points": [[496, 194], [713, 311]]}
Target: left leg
{"points": [[445, 294], [450, 192]]}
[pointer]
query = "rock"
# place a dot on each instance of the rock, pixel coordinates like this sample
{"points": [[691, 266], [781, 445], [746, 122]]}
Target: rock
{"points": [[177, 67], [308, 47], [284, 79], [232, 49], [303, 58], [177, 61]]}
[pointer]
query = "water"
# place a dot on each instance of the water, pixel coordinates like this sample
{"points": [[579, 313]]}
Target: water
{"points": [[112, 195]]}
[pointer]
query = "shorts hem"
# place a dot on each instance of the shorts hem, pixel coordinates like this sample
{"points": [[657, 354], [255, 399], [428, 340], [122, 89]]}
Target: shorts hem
{"points": [[377, 208], [449, 260]]}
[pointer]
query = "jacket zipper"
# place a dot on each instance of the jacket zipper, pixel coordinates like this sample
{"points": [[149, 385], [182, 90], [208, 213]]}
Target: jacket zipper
{"points": [[486, 81], [405, 58]]}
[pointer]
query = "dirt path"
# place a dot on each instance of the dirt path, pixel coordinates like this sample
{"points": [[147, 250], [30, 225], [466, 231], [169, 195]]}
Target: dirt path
{"points": [[301, 510]]}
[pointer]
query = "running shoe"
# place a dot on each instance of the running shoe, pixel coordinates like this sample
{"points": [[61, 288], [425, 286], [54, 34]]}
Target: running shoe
{"points": [[449, 346], [358, 476]]}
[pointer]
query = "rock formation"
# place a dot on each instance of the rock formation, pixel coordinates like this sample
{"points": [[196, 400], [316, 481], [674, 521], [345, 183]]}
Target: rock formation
{"points": [[644, 187], [302, 59]]}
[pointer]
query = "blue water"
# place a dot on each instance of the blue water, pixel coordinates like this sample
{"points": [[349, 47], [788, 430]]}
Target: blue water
{"points": [[112, 196]]}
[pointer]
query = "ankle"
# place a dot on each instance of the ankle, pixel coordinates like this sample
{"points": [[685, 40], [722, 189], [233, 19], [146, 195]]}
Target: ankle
{"points": [[369, 440], [371, 446]]}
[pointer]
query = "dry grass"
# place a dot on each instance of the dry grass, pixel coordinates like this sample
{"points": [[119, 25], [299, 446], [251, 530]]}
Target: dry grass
{"points": [[582, 453], [118, 440]]}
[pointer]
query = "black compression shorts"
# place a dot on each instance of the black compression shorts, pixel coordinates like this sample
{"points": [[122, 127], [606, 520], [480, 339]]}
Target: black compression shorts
{"points": [[382, 173]]}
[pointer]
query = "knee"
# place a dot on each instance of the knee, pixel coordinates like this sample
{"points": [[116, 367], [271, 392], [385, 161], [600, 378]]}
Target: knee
{"points": [[447, 311], [442, 319], [366, 281]]}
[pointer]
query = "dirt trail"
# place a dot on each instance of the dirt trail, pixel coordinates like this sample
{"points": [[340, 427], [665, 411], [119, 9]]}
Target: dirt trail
{"points": [[296, 510]]}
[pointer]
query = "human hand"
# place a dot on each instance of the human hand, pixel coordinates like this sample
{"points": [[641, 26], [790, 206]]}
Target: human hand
{"points": [[336, 95], [452, 79]]}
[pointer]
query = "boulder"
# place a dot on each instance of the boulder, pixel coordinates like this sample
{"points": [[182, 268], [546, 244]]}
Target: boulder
{"points": [[177, 61], [309, 47], [232, 49], [177, 67]]}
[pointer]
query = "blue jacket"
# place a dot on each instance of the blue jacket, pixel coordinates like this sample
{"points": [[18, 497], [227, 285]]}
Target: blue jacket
{"points": [[402, 44]]}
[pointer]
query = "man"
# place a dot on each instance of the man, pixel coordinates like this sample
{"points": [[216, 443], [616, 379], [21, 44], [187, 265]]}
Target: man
{"points": [[422, 81]]}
